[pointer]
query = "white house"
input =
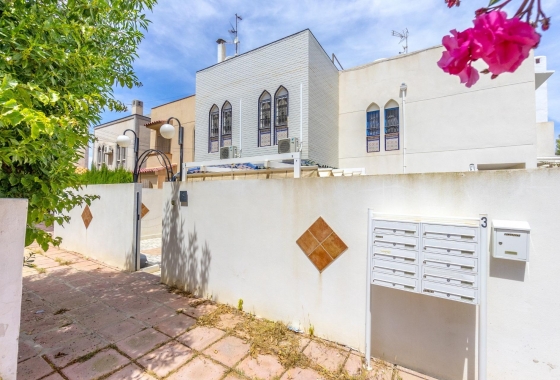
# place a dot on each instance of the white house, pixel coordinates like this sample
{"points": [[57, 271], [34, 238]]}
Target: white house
{"points": [[362, 117], [105, 149]]}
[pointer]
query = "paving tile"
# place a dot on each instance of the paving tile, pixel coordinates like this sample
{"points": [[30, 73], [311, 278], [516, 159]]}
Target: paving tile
{"points": [[121, 330], [303, 343], [45, 322], [325, 356], [199, 368], [175, 325], [180, 303], [54, 376], [130, 372], [27, 349], [354, 365], [201, 337], [33, 369], [301, 374], [229, 350], [88, 311], [136, 305], [102, 363], [199, 311], [229, 321], [54, 338], [262, 367], [167, 358], [153, 316], [162, 296], [233, 376], [142, 342], [73, 349], [100, 321]]}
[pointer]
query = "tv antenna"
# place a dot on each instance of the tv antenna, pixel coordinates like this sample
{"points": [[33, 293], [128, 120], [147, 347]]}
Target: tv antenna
{"points": [[233, 31], [404, 37]]}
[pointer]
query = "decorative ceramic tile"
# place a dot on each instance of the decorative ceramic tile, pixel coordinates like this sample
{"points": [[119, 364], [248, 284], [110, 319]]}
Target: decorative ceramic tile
{"points": [[144, 211], [321, 244], [86, 216]]}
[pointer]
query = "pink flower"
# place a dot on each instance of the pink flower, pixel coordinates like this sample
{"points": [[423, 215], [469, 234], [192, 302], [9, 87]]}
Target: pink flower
{"points": [[500, 42], [452, 3], [505, 43], [469, 76]]}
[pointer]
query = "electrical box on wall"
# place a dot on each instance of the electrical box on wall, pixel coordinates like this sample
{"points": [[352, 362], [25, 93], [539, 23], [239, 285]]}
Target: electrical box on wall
{"points": [[511, 240]]}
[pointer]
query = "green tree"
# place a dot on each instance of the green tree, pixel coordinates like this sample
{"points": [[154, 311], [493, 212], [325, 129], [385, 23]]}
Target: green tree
{"points": [[59, 62], [558, 146]]}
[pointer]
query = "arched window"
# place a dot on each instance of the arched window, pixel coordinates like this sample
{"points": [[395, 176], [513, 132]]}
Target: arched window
{"points": [[391, 125], [214, 129], [265, 119], [281, 103], [226, 124], [373, 128]]}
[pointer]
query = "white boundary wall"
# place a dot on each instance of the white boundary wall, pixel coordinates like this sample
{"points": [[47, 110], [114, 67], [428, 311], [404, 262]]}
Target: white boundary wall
{"points": [[238, 240], [13, 218], [151, 222], [111, 236]]}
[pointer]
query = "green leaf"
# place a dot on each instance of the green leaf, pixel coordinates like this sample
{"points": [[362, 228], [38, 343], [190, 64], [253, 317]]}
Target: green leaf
{"points": [[492, 2]]}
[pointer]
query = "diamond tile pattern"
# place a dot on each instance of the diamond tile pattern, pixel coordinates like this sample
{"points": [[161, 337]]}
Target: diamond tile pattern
{"points": [[87, 216], [321, 244], [144, 211]]}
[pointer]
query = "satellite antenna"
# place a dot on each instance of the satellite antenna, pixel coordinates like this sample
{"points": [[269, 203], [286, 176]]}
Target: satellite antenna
{"points": [[234, 31], [404, 37]]}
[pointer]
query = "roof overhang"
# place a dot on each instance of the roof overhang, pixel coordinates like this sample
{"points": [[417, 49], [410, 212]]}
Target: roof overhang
{"points": [[541, 77], [155, 125]]}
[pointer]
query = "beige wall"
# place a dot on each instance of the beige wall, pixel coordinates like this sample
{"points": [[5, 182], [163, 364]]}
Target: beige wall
{"points": [[184, 110], [243, 245], [546, 141], [447, 126]]}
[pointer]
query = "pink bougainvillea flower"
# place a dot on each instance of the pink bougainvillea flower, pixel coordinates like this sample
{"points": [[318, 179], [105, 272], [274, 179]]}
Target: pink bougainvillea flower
{"points": [[458, 54], [505, 43], [469, 76], [452, 3], [500, 42]]}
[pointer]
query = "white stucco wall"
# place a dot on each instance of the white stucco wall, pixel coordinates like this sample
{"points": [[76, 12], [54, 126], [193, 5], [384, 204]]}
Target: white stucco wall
{"points": [[447, 126], [241, 80], [151, 222], [13, 218], [541, 93], [111, 236], [243, 245]]}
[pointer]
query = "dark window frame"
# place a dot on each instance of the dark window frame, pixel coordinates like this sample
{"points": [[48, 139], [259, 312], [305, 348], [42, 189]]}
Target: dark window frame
{"points": [[264, 123], [213, 133], [373, 129], [392, 131], [281, 126]]}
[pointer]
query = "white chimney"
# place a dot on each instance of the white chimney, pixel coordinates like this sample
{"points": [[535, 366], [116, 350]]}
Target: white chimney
{"points": [[221, 50], [137, 107]]}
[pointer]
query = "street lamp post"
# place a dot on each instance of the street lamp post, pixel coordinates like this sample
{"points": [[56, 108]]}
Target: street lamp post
{"points": [[168, 131], [124, 141]]}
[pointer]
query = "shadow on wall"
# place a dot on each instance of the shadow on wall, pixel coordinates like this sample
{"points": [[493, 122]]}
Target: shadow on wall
{"points": [[402, 322], [188, 267]]}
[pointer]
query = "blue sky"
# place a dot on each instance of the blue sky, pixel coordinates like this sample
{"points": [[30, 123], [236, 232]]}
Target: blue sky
{"points": [[182, 37]]}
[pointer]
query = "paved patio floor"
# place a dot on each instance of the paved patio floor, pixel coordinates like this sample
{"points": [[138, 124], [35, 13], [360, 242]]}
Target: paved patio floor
{"points": [[82, 320]]}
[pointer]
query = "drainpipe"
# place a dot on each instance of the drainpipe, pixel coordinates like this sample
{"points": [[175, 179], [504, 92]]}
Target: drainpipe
{"points": [[301, 117], [403, 94], [240, 132]]}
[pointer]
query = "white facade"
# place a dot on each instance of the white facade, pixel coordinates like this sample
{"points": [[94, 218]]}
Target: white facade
{"points": [[297, 64], [105, 149], [442, 127]]}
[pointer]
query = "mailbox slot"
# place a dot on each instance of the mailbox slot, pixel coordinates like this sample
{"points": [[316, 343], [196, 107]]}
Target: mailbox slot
{"points": [[511, 240]]}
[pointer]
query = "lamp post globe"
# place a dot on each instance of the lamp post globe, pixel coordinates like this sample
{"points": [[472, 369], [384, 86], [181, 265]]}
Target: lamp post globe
{"points": [[123, 141], [167, 131]]}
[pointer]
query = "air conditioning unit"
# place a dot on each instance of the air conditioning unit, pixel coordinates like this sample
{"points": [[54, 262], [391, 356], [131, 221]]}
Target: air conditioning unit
{"points": [[288, 145], [228, 152]]}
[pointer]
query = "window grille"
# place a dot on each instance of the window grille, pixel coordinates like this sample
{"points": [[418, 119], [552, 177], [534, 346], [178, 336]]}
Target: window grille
{"points": [[373, 131], [226, 124], [282, 110], [281, 101], [213, 130], [392, 128], [265, 120], [163, 144]]}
